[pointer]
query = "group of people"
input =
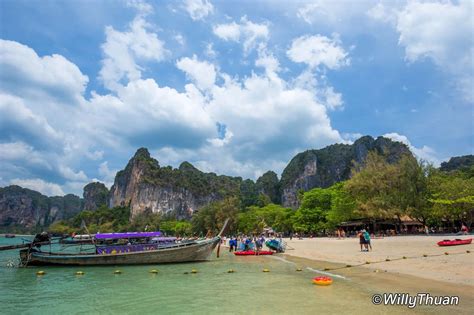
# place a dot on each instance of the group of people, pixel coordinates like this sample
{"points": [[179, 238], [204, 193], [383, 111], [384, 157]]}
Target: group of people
{"points": [[364, 240], [245, 243]]}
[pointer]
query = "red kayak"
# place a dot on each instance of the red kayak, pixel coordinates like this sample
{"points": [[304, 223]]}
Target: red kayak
{"points": [[252, 252], [455, 242]]}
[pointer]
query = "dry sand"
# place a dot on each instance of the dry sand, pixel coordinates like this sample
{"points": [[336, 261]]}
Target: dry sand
{"points": [[455, 268]]}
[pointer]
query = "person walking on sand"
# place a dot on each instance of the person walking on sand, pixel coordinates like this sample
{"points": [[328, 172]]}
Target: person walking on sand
{"points": [[361, 240], [367, 240]]}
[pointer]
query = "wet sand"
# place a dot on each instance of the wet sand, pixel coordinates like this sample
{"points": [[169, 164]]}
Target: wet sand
{"points": [[456, 268]]}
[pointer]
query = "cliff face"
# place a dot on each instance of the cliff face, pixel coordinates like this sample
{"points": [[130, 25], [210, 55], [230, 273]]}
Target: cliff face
{"points": [[25, 209], [458, 163], [146, 186], [269, 185], [332, 164], [95, 195]]}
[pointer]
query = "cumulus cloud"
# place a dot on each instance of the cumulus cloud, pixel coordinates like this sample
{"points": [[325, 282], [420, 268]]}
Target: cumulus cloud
{"points": [[425, 153], [438, 31], [18, 122], [333, 13], [198, 9], [247, 32], [222, 123], [124, 51], [21, 69], [201, 72], [318, 50], [46, 188]]}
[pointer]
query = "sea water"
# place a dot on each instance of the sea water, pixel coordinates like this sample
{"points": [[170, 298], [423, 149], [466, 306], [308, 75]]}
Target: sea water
{"points": [[175, 290]]}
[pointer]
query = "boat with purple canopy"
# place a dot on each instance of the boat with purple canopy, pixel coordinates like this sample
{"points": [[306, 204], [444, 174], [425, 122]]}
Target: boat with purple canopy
{"points": [[129, 248]]}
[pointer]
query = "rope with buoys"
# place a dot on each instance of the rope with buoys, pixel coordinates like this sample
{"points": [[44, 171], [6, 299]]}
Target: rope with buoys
{"points": [[395, 259]]}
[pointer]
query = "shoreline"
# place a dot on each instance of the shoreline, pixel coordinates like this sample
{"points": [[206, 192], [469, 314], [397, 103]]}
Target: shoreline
{"points": [[455, 268]]}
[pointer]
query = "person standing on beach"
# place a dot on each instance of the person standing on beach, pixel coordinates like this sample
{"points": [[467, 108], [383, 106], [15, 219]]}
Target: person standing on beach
{"points": [[361, 240], [464, 230], [367, 240]]}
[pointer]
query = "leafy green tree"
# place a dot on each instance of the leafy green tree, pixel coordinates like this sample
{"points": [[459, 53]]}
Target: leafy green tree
{"points": [[452, 196], [343, 206], [312, 214], [388, 190], [210, 218]]}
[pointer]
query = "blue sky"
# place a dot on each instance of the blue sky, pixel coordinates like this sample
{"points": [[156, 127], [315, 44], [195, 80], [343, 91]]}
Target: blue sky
{"points": [[234, 87]]}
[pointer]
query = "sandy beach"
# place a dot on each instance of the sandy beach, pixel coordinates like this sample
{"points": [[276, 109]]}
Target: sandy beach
{"points": [[457, 267]]}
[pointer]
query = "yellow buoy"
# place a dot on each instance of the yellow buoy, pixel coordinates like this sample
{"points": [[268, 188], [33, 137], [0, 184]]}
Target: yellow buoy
{"points": [[194, 271], [468, 251], [299, 269], [376, 270], [367, 262], [424, 255], [387, 259], [230, 271], [266, 270], [327, 269], [404, 257], [153, 271], [446, 253], [40, 273], [348, 266], [117, 272], [79, 273]]}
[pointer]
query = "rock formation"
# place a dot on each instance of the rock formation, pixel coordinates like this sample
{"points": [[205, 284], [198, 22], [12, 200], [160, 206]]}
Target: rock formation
{"points": [[332, 164], [24, 209]]}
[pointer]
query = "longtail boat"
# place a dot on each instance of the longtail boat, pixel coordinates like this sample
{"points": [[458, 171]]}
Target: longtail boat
{"points": [[123, 254]]}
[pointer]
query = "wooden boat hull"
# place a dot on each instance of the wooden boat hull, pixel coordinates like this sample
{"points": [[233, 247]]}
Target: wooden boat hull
{"points": [[198, 251]]}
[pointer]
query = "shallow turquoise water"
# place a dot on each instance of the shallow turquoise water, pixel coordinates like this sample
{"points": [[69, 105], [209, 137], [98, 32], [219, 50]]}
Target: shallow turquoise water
{"points": [[211, 291]]}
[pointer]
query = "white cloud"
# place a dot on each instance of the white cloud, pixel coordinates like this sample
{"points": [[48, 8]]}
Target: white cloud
{"points": [[69, 174], [180, 39], [19, 63], [230, 31], [12, 152], [439, 31], [337, 14], [425, 153], [198, 9], [123, 51], [248, 32], [264, 119], [141, 6], [201, 72], [19, 121], [209, 51], [331, 98], [318, 51], [46, 188], [383, 13]]}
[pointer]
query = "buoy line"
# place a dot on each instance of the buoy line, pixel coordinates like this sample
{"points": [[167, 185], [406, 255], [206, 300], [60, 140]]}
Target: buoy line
{"points": [[396, 259]]}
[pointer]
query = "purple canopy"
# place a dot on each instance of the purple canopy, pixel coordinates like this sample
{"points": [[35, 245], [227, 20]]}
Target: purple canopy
{"points": [[126, 235]]}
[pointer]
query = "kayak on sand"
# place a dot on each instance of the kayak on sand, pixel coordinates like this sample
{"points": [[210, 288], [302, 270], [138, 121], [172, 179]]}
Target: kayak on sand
{"points": [[455, 242], [252, 252]]}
